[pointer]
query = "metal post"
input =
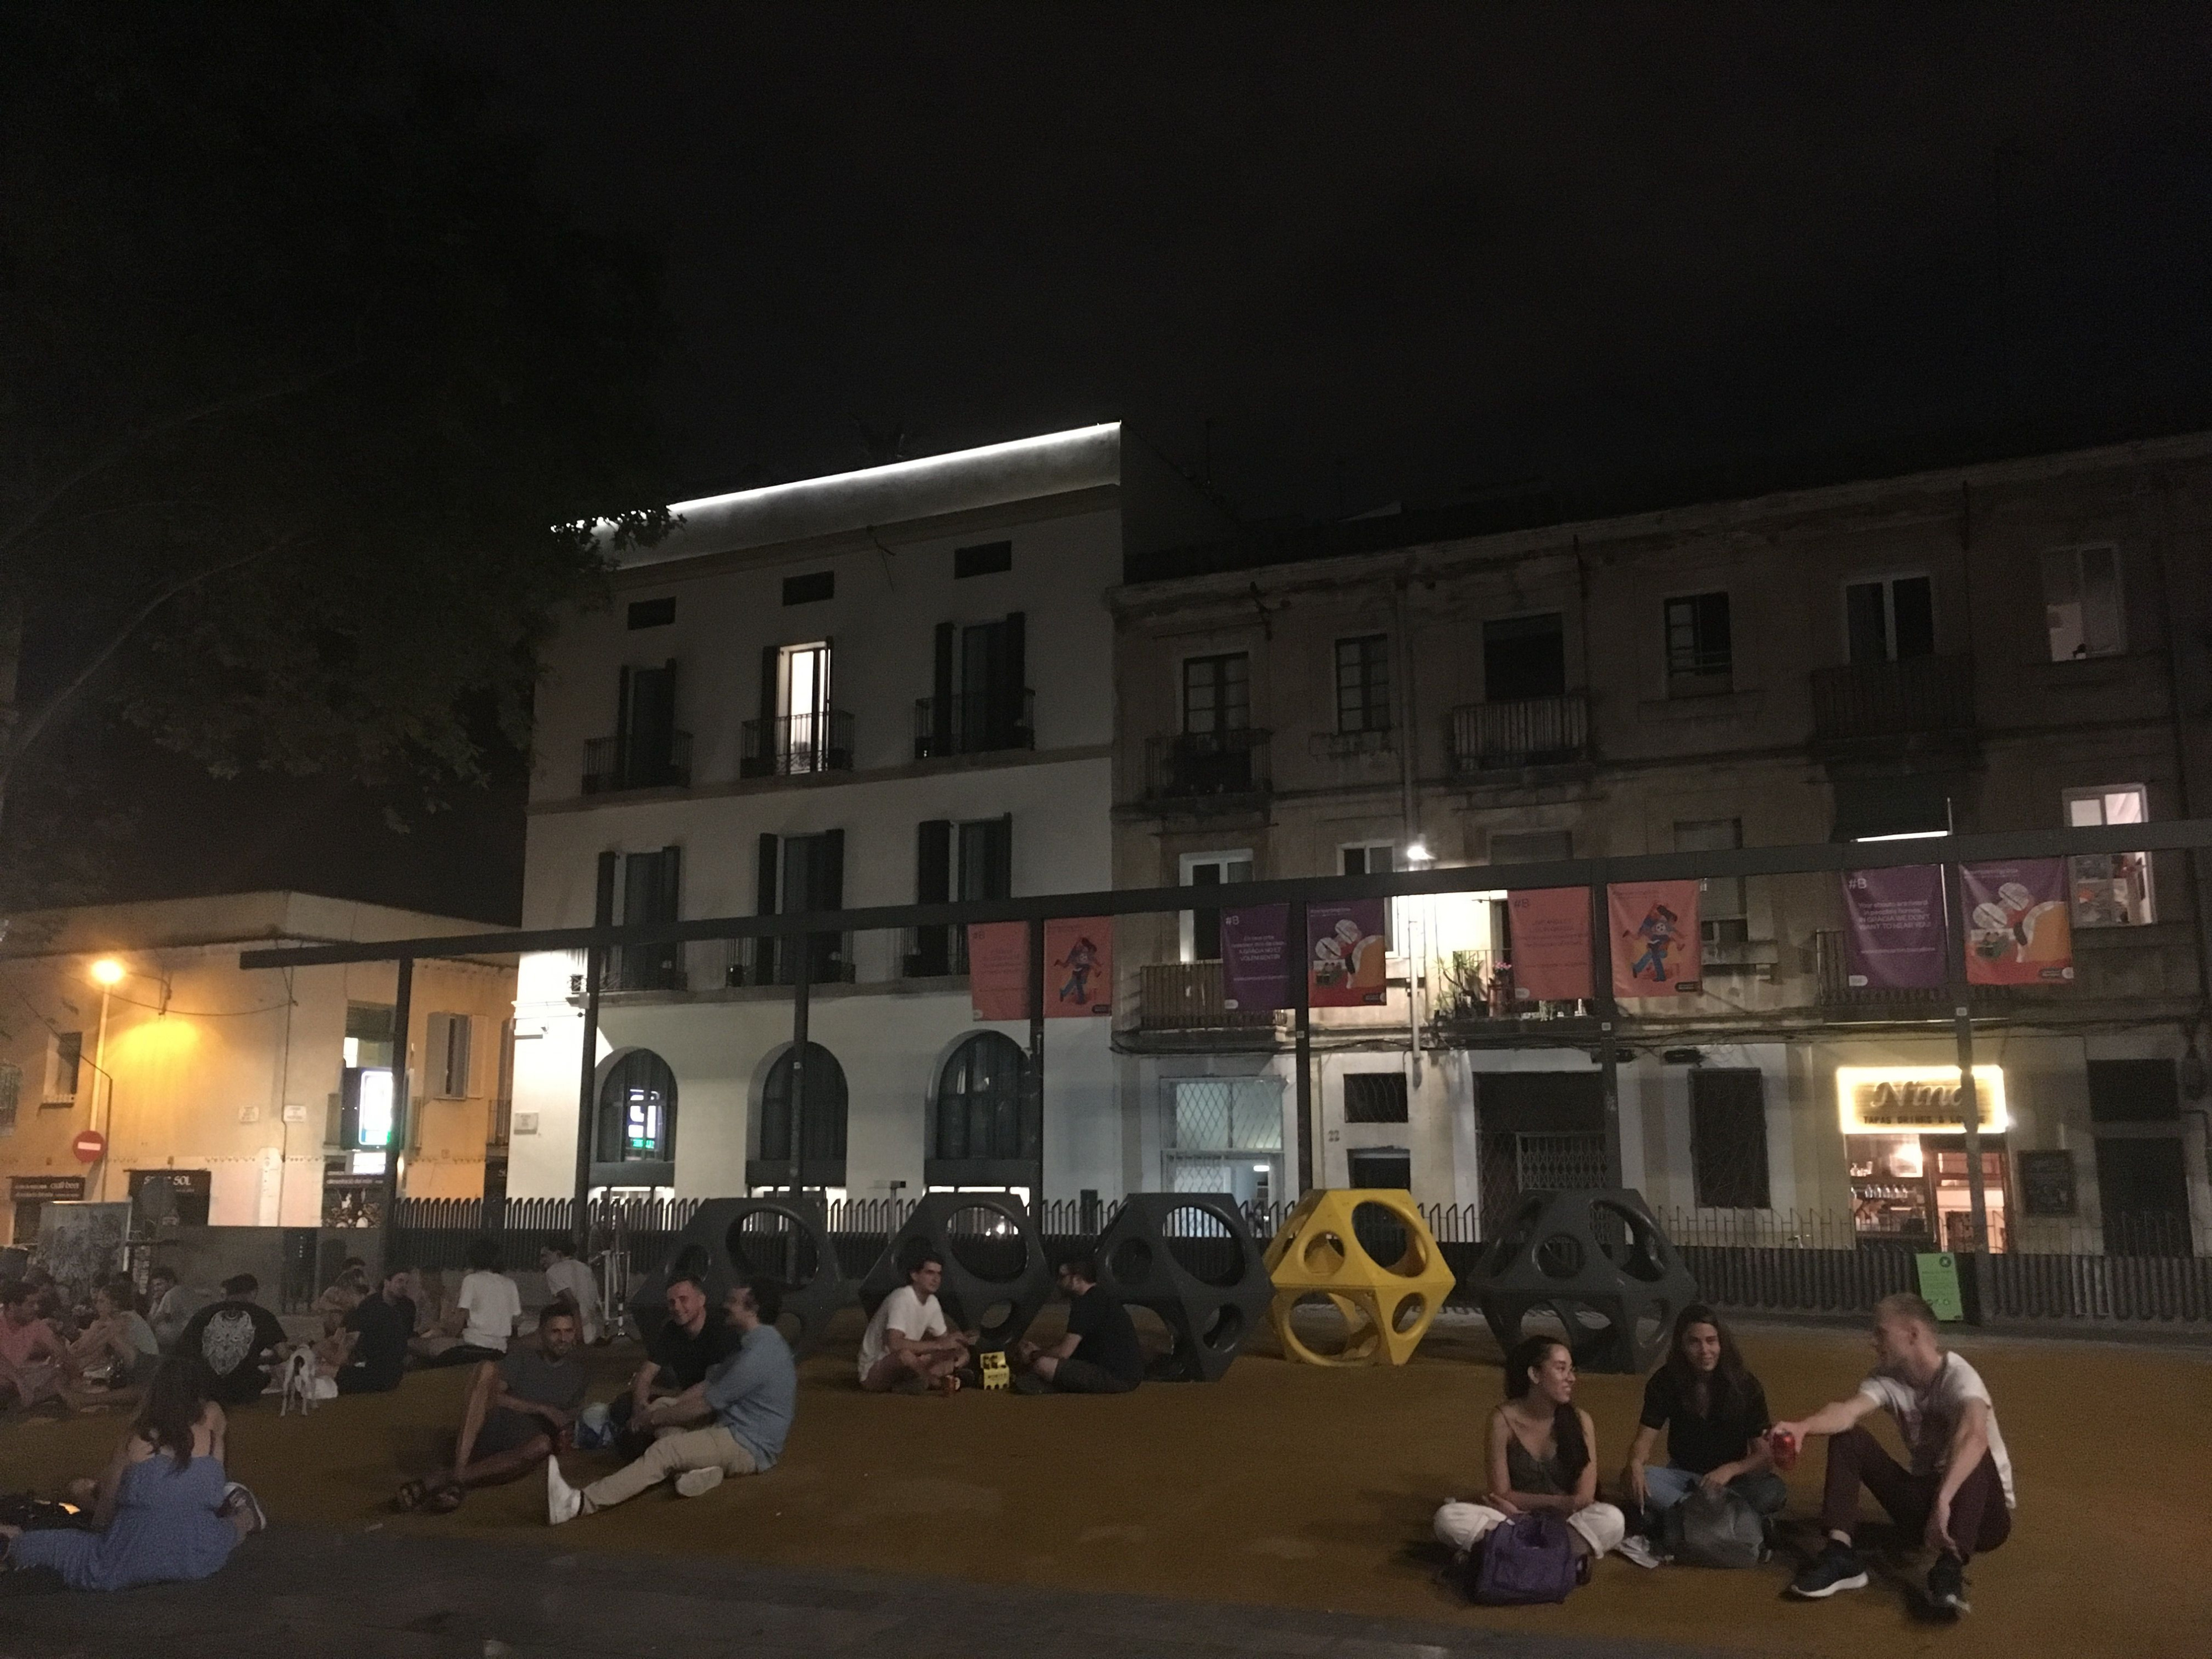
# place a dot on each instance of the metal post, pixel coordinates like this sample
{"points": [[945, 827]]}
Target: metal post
{"points": [[595, 960], [1970, 1105], [1609, 1014], [802, 984], [1298, 952], [1033, 1085], [395, 1149]]}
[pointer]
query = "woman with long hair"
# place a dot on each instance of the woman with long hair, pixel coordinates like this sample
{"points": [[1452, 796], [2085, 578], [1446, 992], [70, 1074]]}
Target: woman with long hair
{"points": [[165, 1511], [1715, 1415], [1542, 1455]]}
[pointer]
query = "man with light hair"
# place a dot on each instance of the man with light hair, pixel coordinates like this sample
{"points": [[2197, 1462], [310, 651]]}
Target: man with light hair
{"points": [[1957, 1495]]}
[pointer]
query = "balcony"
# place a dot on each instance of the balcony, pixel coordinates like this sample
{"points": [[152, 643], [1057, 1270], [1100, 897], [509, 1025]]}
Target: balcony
{"points": [[1474, 991], [795, 745], [610, 764], [1861, 701], [1187, 996], [973, 726], [933, 952], [645, 967], [1505, 737], [1201, 766]]}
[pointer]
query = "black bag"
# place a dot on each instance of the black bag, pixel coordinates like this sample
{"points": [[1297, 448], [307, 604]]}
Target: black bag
{"points": [[1711, 1528], [19, 1509]]}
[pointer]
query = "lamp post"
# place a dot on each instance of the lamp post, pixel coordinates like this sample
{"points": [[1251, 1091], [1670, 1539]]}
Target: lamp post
{"points": [[107, 972]]}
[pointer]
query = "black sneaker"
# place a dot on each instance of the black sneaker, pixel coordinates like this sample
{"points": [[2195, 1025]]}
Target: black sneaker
{"points": [[1947, 1588], [1837, 1568]]}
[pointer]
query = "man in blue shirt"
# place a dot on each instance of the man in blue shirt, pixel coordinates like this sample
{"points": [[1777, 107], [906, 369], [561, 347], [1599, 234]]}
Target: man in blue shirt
{"points": [[745, 1407]]}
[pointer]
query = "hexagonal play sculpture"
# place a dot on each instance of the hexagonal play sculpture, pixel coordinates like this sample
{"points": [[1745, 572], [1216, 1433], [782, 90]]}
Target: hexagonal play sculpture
{"points": [[786, 1238], [1599, 1260], [1190, 1259], [1328, 1245], [996, 1276]]}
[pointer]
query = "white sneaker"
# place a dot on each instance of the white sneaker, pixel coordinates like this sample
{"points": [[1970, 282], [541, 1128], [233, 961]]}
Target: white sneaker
{"points": [[563, 1501], [694, 1482], [1632, 1548]]}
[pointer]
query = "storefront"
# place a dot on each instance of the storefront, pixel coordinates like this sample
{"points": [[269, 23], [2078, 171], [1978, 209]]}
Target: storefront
{"points": [[30, 1195], [1905, 1140]]}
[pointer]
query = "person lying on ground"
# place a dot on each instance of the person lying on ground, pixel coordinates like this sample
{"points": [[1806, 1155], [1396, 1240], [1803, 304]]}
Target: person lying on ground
{"points": [[379, 1327], [565, 1276], [690, 1343], [165, 1511], [170, 1306], [1714, 1412], [485, 1313], [1957, 1497], [238, 1338], [1099, 1354], [1542, 1455], [35, 1363], [906, 1348], [519, 1407], [120, 1339], [743, 1410]]}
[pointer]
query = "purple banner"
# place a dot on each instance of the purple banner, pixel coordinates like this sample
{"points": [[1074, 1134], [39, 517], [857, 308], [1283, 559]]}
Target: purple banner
{"points": [[1894, 939], [1256, 958]]}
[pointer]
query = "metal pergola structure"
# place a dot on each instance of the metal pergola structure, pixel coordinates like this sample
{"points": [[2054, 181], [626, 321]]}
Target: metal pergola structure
{"points": [[605, 935]]}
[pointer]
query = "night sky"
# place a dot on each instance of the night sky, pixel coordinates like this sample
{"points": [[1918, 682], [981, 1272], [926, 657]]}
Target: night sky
{"points": [[1340, 257]]}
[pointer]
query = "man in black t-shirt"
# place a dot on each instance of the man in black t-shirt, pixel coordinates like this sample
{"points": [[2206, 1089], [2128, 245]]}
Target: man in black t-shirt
{"points": [[238, 1338], [1099, 1354], [691, 1342], [382, 1322]]}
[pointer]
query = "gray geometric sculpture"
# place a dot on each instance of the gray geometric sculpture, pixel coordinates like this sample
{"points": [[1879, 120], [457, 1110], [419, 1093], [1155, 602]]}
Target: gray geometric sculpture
{"points": [[1209, 1313], [1601, 1253], [995, 1280], [786, 1238]]}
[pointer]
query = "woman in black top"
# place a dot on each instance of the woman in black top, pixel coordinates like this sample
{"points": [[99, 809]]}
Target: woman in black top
{"points": [[1714, 1415]]}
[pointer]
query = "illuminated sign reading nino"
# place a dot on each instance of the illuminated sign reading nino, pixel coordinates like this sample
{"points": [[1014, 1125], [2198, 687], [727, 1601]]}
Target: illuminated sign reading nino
{"points": [[1912, 1099]]}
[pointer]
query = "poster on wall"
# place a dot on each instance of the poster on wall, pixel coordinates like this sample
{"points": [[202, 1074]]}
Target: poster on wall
{"points": [[1655, 938], [1550, 955], [999, 969], [1894, 933], [2018, 928], [1079, 967], [1346, 954], [1256, 958]]}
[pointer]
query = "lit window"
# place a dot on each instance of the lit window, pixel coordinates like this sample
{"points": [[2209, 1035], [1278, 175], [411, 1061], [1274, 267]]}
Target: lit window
{"points": [[2111, 889]]}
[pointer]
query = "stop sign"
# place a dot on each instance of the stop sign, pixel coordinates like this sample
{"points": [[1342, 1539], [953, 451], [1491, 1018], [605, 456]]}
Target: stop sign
{"points": [[89, 1146]]}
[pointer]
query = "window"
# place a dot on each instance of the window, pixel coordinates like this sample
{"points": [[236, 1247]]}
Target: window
{"points": [[1531, 846], [1720, 919], [802, 703], [1700, 657], [1363, 683], [447, 1055], [2111, 889], [978, 1110], [637, 1112], [652, 613], [1524, 658], [651, 891], [1202, 929], [1889, 620], [1375, 1098], [1727, 1138], [1224, 1135], [820, 1138], [1388, 1168], [796, 874], [809, 589], [2134, 1091], [1216, 693], [956, 861], [65, 1066], [980, 699], [11, 1089], [1375, 858], [987, 559], [2082, 602]]}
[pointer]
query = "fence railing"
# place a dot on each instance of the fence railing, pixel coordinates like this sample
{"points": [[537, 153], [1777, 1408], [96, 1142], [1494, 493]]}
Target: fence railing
{"points": [[1495, 737], [1863, 700], [792, 745], [1195, 765], [611, 764], [962, 724], [1191, 996]]}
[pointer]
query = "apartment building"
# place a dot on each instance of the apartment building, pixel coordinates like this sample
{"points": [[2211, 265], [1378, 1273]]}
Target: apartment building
{"points": [[2002, 646]]}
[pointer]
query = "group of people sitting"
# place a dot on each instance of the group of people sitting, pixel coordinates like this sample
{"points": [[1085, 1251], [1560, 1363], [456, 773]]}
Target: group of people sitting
{"points": [[908, 1347], [1956, 1497]]}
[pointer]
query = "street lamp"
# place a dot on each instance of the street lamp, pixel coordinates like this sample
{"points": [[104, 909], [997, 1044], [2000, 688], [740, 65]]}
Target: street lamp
{"points": [[107, 972]]}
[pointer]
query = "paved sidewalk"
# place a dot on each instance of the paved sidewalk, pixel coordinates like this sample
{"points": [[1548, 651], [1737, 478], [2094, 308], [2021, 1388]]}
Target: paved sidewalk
{"points": [[380, 1595]]}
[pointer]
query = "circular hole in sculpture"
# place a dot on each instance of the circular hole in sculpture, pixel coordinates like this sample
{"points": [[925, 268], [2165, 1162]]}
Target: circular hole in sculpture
{"points": [[777, 1244], [1629, 1242], [1129, 1262], [1652, 1328], [1391, 1244], [993, 1321], [1545, 1320], [987, 1243], [1560, 1256], [1203, 1246], [1323, 1254], [1333, 1326], [1406, 1318], [1153, 1336], [1222, 1328]]}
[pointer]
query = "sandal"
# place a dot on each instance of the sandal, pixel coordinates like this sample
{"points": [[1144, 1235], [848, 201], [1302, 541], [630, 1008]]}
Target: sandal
{"points": [[411, 1496], [444, 1501]]}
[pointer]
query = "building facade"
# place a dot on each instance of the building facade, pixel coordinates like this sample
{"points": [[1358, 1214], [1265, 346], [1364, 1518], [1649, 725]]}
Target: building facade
{"points": [[2014, 646]]}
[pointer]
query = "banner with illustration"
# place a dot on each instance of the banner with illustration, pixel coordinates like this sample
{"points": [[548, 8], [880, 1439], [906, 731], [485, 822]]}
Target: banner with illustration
{"points": [[1894, 936], [1079, 967], [999, 969], [1551, 953], [1256, 958], [1345, 954], [1655, 938], [2019, 931]]}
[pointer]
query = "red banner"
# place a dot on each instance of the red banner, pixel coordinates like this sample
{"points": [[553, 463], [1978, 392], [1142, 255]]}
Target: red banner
{"points": [[1551, 954], [2019, 930], [1345, 954], [999, 969], [1655, 938], [1079, 967]]}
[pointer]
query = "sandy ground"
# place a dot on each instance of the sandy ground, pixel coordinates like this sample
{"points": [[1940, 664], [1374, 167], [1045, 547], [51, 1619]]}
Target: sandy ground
{"points": [[1310, 1488]]}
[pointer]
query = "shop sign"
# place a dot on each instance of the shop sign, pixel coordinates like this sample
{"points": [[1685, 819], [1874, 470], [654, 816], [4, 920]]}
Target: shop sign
{"points": [[1916, 1099], [51, 1189]]}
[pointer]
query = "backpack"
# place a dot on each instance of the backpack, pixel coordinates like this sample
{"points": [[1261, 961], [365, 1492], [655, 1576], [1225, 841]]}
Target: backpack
{"points": [[1526, 1559], [1716, 1529]]}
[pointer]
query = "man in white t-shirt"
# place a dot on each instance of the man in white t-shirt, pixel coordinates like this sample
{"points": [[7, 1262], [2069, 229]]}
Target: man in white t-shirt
{"points": [[906, 1348], [486, 1310], [1957, 1494], [565, 1276]]}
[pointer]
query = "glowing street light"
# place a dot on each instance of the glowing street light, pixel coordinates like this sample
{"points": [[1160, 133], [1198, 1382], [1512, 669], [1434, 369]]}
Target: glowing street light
{"points": [[108, 971]]}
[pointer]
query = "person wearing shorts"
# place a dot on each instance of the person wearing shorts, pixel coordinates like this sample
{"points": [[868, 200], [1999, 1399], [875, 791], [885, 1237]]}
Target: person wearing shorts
{"points": [[520, 1406], [906, 1348]]}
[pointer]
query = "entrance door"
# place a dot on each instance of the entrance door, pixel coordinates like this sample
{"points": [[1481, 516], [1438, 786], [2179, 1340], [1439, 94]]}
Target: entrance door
{"points": [[1557, 1117], [2142, 1187]]}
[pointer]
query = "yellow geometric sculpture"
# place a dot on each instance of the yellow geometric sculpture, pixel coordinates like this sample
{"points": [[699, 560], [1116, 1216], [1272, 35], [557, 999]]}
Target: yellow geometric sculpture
{"points": [[1387, 1310]]}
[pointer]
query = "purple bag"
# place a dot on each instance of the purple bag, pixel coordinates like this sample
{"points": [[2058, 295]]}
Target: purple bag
{"points": [[1526, 1559]]}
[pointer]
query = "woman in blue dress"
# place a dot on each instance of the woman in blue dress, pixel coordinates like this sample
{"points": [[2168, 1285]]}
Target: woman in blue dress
{"points": [[165, 1512]]}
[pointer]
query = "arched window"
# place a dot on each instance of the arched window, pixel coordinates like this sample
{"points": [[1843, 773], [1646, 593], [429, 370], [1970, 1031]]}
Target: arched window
{"points": [[821, 1140], [979, 1100], [636, 1119]]}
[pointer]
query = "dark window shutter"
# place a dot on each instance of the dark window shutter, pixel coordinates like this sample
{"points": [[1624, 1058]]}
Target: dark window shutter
{"points": [[933, 860], [825, 883], [771, 659], [602, 904], [764, 890], [1013, 669], [998, 857], [940, 692], [623, 714], [672, 884]]}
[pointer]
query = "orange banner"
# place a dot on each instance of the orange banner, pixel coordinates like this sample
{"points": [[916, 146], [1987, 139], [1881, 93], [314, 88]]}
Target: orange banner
{"points": [[1655, 947], [1549, 961], [999, 969], [1079, 967]]}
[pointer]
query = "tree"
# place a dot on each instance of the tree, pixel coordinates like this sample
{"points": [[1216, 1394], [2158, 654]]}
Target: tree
{"points": [[309, 400]]}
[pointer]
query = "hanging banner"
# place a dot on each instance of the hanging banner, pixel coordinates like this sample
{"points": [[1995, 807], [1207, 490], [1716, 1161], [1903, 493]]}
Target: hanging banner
{"points": [[1551, 954], [1893, 938], [1256, 958], [1346, 954], [1079, 967], [2018, 929], [1655, 938], [999, 969]]}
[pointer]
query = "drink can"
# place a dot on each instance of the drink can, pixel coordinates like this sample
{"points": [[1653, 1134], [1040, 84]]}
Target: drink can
{"points": [[1784, 1444]]}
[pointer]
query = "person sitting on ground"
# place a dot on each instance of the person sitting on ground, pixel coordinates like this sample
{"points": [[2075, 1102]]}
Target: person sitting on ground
{"points": [[238, 1338], [520, 1406], [118, 1337], [434, 1303], [165, 1512], [690, 1343], [170, 1306], [1714, 1412], [379, 1326], [485, 1313], [1542, 1455], [1099, 1354], [342, 1293], [744, 1409], [906, 1348], [565, 1276], [35, 1363], [1958, 1495]]}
